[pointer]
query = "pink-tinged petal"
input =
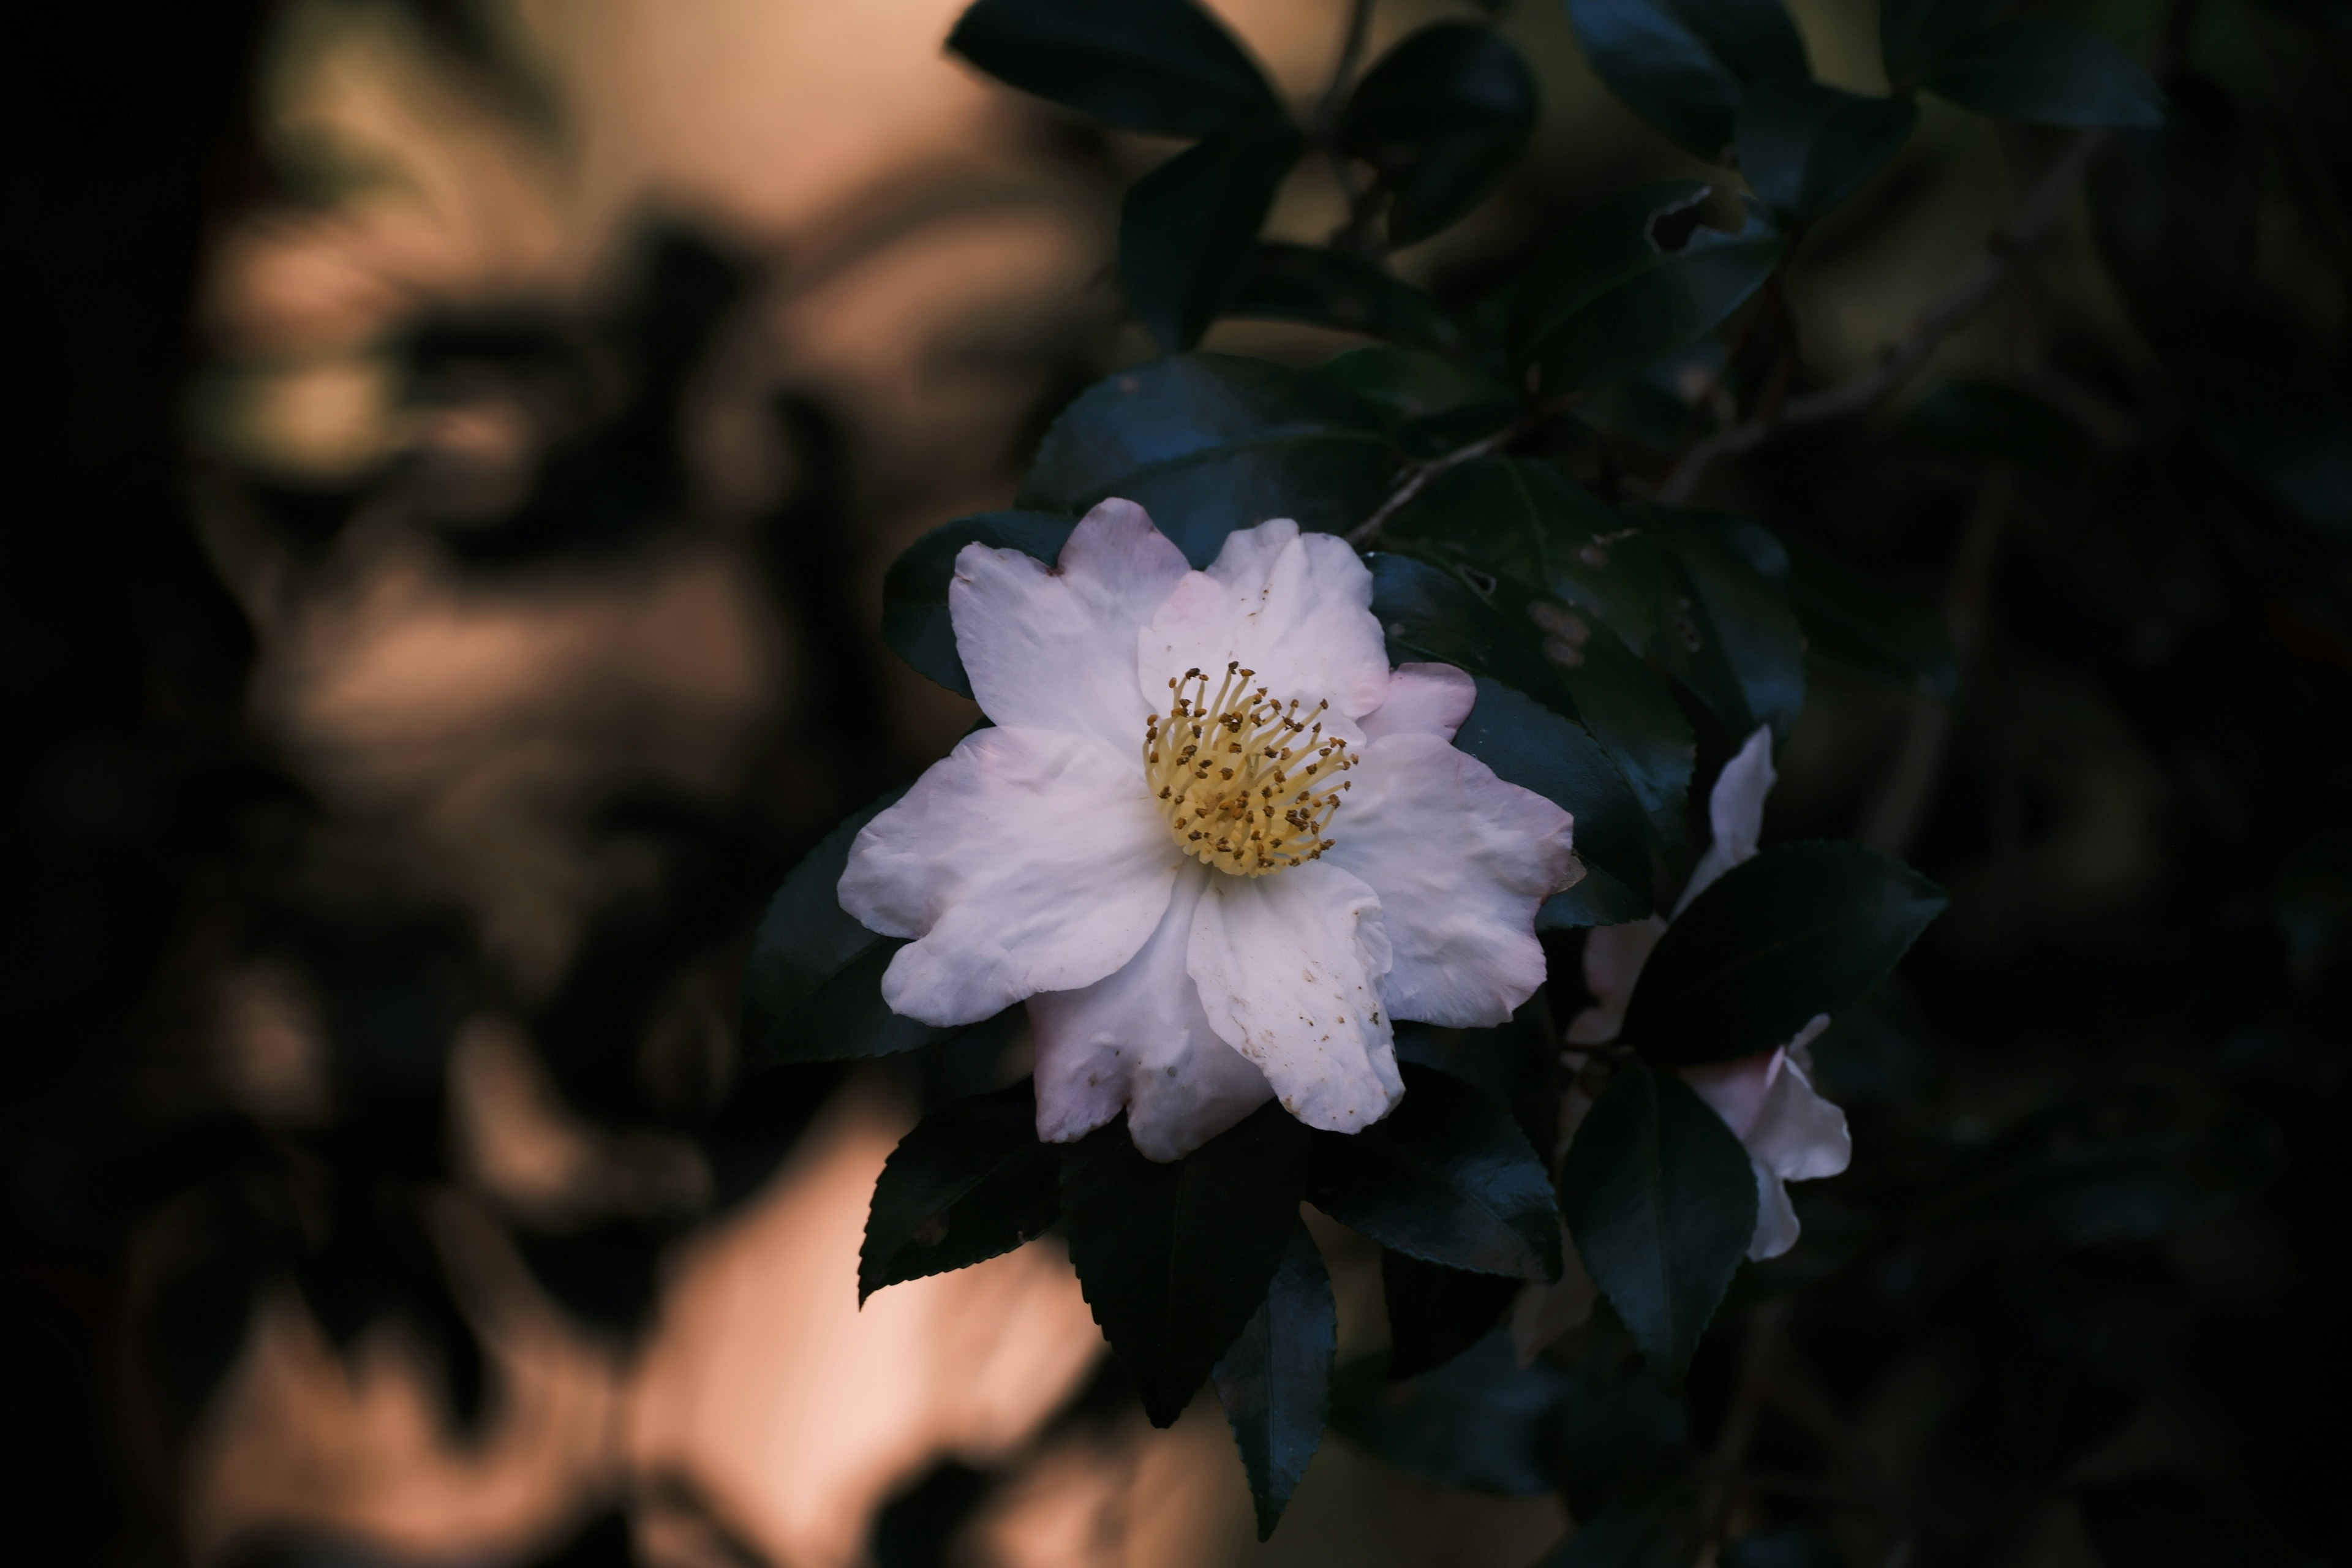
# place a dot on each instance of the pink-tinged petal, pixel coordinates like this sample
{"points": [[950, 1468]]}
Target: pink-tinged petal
{"points": [[1294, 607], [1613, 956], [1735, 811], [1055, 649], [1140, 1040], [1424, 698], [1024, 862], [1289, 968], [1460, 861], [1790, 1133]]}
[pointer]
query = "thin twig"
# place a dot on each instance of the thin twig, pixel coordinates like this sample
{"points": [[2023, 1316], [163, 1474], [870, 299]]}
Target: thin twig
{"points": [[1418, 476], [1961, 298]]}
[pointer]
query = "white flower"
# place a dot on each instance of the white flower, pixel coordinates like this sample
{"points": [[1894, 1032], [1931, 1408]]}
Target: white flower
{"points": [[1790, 1133], [1212, 840], [1767, 1099]]}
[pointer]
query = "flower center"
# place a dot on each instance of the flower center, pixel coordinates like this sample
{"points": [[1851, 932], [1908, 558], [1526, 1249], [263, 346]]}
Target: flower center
{"points": [[1238, 773]]}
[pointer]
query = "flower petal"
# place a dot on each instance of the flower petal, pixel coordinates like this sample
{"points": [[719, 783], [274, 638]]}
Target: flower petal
{"points": [[1295, 608], [1460, 861], [1424, 698], [1735, 810], [1138, 1039], [1025, 860], [1613, 956], [1289, 970], [1055, 649], [1790, 1133]]}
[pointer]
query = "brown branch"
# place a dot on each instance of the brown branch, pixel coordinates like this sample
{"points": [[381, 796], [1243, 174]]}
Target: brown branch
{"points": [[1961, 298], [1418, 476]]}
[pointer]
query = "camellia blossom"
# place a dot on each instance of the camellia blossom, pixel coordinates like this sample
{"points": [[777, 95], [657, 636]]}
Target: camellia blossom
{"points": [[1790, 1133], [1212, 840], [1767, 1099]]}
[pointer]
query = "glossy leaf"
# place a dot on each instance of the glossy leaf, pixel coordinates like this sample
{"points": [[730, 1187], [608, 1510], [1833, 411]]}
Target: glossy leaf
{"points": [[1436, 1313], [1447, 1177], [1881, 631], [1800, 929], [1682, 64], [1443, 116], [1325, 287], [1162, 65], [1607, 298], [915, 620], [1662, 1201], [1188, 230], [1275, 1381], [1209, 443], [812, 987], [1805, 147], [1481, 1422], [1402, 385], [970, 1182], [1534, 747], [1174, 1258], [1749, 663], [2046, 72]]}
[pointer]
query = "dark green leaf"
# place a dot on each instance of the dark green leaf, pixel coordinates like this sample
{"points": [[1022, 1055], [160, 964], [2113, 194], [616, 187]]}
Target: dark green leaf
{"points": [[1535, 747], [1436, 1313], [812, 987], [1681, 64], [1405, 384], [1174, 1258], [1622, 1431], [1607, 298], [1275, 1381], [1654, 404], [1805, 147], [1890, 633], [1912, 32], [1662, 1201], [1749, 661], [1162, 65], [1800, 929], [1447, 1177], [915, 621], [1481, 1421], [970, 1182], [1443, 116], [2046, 73], [1188, 230], [1536, 539], [1332, 289], [1209, 443]]}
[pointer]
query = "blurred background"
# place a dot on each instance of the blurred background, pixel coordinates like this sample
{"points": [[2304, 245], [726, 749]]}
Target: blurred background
{"points": [[460, 447]]}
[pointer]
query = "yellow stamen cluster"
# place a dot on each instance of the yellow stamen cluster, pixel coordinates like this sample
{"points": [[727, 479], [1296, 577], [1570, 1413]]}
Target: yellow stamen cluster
{"points": [[1238, 773]]}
